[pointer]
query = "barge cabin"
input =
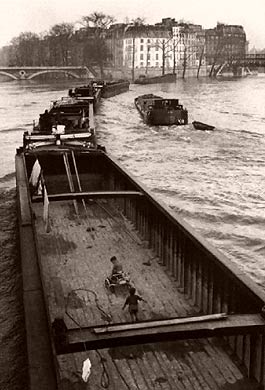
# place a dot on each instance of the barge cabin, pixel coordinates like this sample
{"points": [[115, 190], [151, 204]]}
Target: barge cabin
{"points": [[201, 326], [70, 121], [158, 111]]}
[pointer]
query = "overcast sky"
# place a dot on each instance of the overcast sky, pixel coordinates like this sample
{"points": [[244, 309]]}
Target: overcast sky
{"points": [[17, 16]]}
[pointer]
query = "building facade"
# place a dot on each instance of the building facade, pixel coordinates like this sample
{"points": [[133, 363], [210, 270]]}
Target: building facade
{"points": [[224, 43], [189, 43], [165, 45], [170, 45], [147, 47]]}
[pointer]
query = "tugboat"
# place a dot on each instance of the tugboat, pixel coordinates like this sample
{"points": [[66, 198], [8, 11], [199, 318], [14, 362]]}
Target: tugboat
{"points": [[156, 110]]}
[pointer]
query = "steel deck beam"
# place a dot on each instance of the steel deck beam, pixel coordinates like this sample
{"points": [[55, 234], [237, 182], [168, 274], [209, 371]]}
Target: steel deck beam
{"points": [[89, 195]]}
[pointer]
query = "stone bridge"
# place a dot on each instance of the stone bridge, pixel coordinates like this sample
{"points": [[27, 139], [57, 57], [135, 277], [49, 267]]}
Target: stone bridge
{"points": [[30, 72]]}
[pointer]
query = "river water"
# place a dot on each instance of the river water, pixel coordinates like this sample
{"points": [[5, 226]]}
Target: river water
{"points": [[215, 180]]}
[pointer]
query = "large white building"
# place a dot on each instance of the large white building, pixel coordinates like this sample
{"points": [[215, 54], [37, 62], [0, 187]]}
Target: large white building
{"points": [[158, 46], [146, 46]]}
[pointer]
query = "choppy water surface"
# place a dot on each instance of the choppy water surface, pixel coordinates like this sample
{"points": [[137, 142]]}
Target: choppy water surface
{"points": [[215, 180]]}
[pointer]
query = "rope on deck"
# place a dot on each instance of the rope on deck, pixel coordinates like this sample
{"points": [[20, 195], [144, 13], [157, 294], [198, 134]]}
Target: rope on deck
{"points": [[105, 379]]}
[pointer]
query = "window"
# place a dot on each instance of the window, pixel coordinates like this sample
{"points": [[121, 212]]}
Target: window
{"points": [[157, 63], [148, 56], [141, 64], [142, 40], [141, 56], [141, 47], [157, 56], [148, 40]]}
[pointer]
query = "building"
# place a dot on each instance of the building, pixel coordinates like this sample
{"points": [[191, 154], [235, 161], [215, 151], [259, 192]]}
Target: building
{"points": [[189, 43], [147, 46], [163, 46], [224, 43], [114, 40], [171, 46]]}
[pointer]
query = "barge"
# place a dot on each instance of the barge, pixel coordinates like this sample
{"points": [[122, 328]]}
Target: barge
{"points": [[166, 78], [202, 324], [115, 87], [158, 111], [101, 88], [69, 121]]}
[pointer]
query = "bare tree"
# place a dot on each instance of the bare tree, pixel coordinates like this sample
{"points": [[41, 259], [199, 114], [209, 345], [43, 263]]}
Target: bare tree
{"points": [[59, 40], [165, 45], [201, 53], [24, 49], [97, 24]]}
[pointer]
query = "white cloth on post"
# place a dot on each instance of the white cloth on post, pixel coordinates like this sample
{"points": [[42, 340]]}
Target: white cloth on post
{"points": [[35, 174]]}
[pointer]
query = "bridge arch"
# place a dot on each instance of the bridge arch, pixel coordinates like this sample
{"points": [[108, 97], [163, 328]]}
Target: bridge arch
{"points": [[53, 71], [12, 76]]}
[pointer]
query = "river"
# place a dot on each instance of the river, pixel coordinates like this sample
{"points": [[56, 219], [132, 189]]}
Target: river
{"points": [[215, 180]]}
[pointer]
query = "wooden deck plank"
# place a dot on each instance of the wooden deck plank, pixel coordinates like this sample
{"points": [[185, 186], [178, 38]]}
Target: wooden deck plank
{"points": [[77, 252]]}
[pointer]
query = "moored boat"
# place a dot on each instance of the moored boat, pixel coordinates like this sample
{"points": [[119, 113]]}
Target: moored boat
{"points": [[167, 78], [156, 110], [202, 126]]}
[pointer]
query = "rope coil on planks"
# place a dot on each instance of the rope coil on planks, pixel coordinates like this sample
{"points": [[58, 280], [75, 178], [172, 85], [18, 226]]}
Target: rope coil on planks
{"points": [[105, 380]]}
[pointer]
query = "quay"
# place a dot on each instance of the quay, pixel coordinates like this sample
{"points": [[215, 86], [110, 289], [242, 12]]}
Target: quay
{"points": [[202, 325]]}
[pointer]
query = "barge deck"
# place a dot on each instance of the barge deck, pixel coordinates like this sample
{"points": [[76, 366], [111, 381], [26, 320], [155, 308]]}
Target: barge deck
{"points": [[75, 261], [108, 213]]}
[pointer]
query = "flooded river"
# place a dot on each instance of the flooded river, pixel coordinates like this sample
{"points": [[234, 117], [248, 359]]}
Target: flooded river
{"points": [[215, 180]]}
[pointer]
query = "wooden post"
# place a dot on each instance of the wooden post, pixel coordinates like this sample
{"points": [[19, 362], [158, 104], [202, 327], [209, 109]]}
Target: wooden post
{"points": [[253, 356], [210, 289]]}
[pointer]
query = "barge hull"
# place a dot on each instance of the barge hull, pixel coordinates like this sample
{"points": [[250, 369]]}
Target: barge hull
{"points": [[173, 268]]}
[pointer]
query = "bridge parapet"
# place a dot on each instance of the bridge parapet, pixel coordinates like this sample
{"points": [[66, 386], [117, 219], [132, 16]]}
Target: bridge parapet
{"points": [[249, 59], [30, 72]]}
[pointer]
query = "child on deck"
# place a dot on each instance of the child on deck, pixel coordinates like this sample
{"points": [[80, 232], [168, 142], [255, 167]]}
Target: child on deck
{"points": [[117, 267], [132, 302]]}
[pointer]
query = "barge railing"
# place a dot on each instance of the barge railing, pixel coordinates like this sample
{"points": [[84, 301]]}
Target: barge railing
{"points": [[41, 362]]}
